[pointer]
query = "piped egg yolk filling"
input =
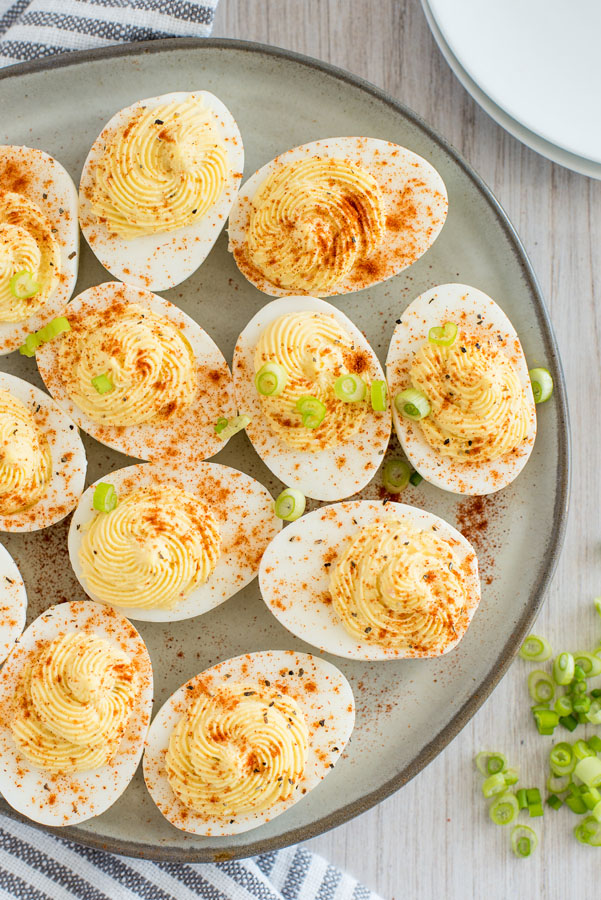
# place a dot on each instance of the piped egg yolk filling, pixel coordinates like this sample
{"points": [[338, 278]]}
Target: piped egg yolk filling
{"points": [[27, 244], [238, 748], [400, 588], [314, 350], [148, 362], [312, 222], [73, 703], [162, 170], [152, 550], [479, 410], [25, 460]]}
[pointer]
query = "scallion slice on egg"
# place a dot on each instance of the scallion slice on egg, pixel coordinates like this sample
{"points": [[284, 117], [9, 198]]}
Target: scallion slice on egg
{"points": [[271, 379], [23, 285], [227, 428], [412, 404], [542, 384], [395, 475], [290, 505], [350, 388], [103, 383], [105, 497], [45, 334], [443, 335], [312, 411], [378, 395]]}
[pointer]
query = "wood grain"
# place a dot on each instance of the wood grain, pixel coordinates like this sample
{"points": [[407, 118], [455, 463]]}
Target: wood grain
{"points": [[433, 839]]}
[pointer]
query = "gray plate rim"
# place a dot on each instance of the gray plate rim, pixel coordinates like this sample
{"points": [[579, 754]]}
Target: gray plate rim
{"points": [[550, 558]]}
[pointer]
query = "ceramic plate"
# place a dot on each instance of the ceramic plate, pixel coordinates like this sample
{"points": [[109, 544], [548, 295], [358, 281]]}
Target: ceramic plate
{"points": [[534, 141], [538, 61], [407, 711]]}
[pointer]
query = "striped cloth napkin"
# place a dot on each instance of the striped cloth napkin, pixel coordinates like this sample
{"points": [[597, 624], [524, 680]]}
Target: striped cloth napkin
{"points": [[35, 865]]}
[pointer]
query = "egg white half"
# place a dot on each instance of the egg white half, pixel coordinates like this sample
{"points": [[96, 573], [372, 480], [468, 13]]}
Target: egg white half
{"points": [[476, 313], [244, 511], [323, 694], [412, 189], [69, 461], [13, 603], [190, 435], [295, 570], [54, 799], [160, 261], [330, 474], [40, 178]]}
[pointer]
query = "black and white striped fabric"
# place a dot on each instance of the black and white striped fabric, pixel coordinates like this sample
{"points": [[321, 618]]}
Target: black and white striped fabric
{"points": [[30, 29], [35, 865]]}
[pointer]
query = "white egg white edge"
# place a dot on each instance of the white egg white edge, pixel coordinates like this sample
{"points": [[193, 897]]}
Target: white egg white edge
{"points": [[333, 701], [318, 475], [161, 261], [68, 478], [132, 440], [363, 152], [53, 180], [294, 565], [13, 603], [233, 570], [435, 307], [80, 795]]}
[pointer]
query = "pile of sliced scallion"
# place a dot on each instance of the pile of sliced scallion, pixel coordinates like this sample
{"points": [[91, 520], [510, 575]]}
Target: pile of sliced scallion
{"points": [[562, 699]]}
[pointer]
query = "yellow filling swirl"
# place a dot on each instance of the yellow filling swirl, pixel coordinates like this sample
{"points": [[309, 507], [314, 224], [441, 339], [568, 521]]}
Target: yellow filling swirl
{"points": [[27, 243], [73, 704], [239, 748], [25, 461], [150, 552], [149, 362], [312, 222], [479, 410], [162, 170], [314, 350], [399, 588]]}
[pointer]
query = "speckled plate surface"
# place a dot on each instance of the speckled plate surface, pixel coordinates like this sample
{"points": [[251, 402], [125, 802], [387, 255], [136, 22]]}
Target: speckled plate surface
{"points": [[407, 710]]}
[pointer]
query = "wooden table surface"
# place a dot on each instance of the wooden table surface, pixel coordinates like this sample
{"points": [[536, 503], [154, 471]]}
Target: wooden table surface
{"points": [[433, 838]]}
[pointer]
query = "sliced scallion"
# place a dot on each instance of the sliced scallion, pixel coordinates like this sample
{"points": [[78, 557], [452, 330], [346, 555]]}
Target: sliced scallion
{"points": [[563, 668], [523, 841], [588, 770], [511, 776], [581, 750], [588, 832], [594, 743], [290, 505], [395, 475], [541, 687], [412, 404], [563, 705], [557, 784], [312, 411], [443, 335], [53, 328], [554, 801], [494, 784], [535, 649], [23, 285], [489, 762], [103, 383], [591, 797], [569, 722], [105, 497], [220, 424], [350, 388], [504, 809], [271, 379], [589, 663], [546, 720], [542, 384], [416, 479], [232, 426], [562, 759], [522, 798], [378, 395]]}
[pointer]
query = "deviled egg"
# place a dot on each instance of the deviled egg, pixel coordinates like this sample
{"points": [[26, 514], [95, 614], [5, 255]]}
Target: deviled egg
{"points": [[13, 603], [245, 740], [42, 459], [171, 543], [305, 376], [158, 185], [75, 705], [463, 407], [335, 216], [138, 374], [373, 580], [39, 242]]}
